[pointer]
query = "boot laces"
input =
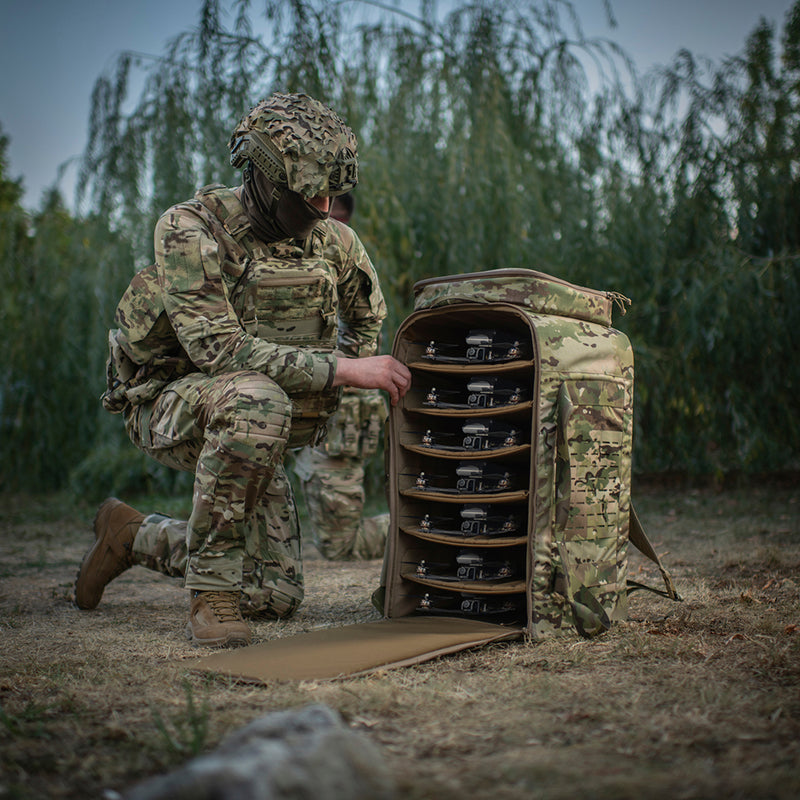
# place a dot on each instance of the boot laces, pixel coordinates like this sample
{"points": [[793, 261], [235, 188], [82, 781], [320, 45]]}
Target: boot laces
{"points": [[225, 605]]}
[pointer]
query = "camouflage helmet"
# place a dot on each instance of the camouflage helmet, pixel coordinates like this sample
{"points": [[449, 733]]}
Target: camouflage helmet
{"points": [[298, 143]]}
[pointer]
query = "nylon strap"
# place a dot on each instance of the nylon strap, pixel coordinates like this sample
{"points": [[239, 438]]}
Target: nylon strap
{"points": [[589, 616], [639, 539]]}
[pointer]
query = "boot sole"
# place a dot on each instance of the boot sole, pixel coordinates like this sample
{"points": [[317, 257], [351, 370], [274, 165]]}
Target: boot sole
{"points": [[223, 641], [112, 502]]}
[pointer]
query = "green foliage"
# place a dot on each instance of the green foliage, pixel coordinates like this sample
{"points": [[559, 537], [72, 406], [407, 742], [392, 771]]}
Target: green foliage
{"points": [[114, 467], [185, 734], [718, 328], [29, 723], [490, 135], [61, 279]]}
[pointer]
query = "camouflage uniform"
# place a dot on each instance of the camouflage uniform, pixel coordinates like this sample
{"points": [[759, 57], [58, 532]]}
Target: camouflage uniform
{"points": [[224, 358], [332, 479]]}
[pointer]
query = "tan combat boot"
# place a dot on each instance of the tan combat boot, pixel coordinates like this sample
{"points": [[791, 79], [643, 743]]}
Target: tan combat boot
{"points": [[215, 620], [115, 526]]}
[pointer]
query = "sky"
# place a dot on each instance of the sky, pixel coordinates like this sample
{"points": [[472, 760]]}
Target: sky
{"points": [[52, 51]]}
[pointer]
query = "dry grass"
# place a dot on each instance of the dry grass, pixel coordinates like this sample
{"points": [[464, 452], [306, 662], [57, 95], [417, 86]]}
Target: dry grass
{"points": [[693, 700]]}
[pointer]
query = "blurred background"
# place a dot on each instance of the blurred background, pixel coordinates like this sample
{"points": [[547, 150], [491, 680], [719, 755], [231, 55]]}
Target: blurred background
{"points": [[648, 149]]}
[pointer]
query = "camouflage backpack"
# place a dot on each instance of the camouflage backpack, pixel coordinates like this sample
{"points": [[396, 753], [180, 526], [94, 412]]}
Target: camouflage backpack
{"points": [[509, 460]]}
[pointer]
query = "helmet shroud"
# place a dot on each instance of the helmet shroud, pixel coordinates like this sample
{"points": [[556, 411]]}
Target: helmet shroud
{"points": [[299, 144]]}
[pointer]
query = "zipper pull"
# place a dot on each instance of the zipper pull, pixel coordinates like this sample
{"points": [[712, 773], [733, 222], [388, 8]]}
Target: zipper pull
{"points": [[619, 300]]}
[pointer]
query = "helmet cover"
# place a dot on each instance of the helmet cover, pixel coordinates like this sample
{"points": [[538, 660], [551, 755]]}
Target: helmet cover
{"points": [[298, 143]]}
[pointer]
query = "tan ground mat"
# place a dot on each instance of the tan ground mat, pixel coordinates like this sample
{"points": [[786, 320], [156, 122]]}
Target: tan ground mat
{"points": [[354, 649]]}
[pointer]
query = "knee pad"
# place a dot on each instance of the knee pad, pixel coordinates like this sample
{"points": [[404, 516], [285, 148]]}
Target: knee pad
{"points": [[255, 406]]}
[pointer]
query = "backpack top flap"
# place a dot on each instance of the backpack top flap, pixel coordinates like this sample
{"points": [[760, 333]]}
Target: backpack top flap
{"points": [[533, 291]]}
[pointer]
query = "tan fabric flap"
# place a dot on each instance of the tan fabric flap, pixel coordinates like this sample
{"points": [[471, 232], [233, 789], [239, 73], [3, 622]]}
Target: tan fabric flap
{"points": [[532, 290], [354, 649]]}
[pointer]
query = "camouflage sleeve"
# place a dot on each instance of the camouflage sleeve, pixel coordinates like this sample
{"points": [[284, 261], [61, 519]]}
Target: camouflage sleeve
{"points": [[199, 309], [362, 309]]}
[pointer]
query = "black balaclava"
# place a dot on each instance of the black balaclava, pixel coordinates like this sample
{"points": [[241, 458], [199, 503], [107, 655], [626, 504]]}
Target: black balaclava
{"points": [[276, 213]]}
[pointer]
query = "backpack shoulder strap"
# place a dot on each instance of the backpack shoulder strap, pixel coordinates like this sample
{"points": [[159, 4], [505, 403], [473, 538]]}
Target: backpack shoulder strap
{"points": [[639, 539], [225, 206]]}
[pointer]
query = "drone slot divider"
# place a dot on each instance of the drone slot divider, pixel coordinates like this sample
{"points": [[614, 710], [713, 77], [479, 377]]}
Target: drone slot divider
{"points": [[473, 587], [461, 369], [463, 541], [464, 455]]}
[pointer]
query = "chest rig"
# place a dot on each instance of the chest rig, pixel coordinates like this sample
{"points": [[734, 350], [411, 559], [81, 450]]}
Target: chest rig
{"points": [[283, 293]]}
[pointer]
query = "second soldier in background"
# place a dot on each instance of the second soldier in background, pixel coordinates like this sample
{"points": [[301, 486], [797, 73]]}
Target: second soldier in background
{"points": [[332, 475]]}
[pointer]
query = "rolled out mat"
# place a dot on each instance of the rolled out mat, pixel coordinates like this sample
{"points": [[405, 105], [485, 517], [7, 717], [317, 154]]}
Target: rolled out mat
{"points": [[354, 649]]}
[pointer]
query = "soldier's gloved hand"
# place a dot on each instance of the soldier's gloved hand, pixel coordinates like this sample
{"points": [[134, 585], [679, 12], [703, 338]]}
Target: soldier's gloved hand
{"points": [[374, 372]]}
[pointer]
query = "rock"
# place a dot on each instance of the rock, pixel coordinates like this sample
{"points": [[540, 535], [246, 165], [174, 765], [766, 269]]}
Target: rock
{"points": [[307, 754]]}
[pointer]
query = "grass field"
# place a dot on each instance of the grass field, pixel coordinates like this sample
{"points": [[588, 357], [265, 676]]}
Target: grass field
{"points": [[698, 699]]}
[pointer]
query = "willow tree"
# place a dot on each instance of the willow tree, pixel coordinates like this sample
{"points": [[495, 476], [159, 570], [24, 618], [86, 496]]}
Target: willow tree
{"points": [[61, 277], [467, 122], [467, 118], [497, 135], [718, 376]]}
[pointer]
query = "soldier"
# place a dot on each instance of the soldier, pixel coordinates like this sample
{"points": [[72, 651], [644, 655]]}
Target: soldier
{"points": [[332, 474], [230, 349]]}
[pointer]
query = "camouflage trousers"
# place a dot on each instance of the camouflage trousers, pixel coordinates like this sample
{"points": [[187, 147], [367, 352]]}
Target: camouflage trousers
{"points": [[333, 489], [242, 535], [332, 479]]}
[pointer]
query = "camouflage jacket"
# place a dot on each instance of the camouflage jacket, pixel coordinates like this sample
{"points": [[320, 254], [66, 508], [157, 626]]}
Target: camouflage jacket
{"points": [[219, 300]]}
